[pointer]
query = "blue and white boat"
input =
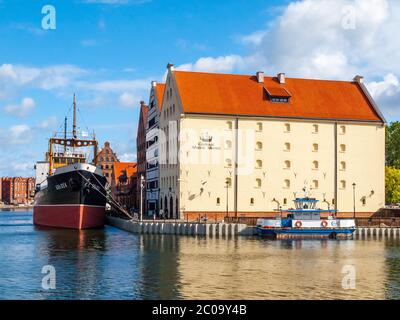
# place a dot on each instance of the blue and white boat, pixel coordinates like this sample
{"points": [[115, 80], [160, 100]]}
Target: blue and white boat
{"points": [[305, 221]]}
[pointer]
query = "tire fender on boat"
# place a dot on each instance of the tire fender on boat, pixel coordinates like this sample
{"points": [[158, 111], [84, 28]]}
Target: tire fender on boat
{"points": [[324, 223], [298, 224]]}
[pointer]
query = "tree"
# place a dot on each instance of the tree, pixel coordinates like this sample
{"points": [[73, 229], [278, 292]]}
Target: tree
{"points": [[392, 181], [393, 145]]}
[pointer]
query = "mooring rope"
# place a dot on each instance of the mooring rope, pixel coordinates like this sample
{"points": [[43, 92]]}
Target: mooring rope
{"points": [[114, 202]]}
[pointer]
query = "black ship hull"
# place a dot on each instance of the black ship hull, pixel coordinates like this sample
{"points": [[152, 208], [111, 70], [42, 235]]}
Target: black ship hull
{"points": [[74, 198]]}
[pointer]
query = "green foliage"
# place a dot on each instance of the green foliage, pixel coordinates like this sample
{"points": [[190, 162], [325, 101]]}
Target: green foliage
{"points": [[392, 180], [393, 145]]}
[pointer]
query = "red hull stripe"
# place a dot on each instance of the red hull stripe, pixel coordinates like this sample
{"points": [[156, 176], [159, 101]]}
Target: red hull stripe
{"points": [[69, 216]]}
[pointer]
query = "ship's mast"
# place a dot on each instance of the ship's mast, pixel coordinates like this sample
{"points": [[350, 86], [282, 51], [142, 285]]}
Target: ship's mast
{"points": [[74, 123], [65, 133]]}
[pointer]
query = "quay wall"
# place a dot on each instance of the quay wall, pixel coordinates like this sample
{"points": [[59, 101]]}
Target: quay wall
{"points": [[222, 229], [182, 228]]}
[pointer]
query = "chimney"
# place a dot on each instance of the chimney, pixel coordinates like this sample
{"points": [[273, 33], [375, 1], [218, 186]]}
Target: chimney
{"points": [[170, 67], [260, 77], [358, 79], [281, 78], [154, 84], [142, 103]]}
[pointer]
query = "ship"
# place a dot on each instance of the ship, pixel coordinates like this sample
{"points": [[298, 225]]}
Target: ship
{"points": [[306, 221], [70, 190]]}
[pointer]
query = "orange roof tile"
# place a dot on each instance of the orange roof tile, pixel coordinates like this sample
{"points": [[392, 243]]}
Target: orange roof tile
{"points": [[121, 169], [242, 95], [277, 92], [160, 94]]}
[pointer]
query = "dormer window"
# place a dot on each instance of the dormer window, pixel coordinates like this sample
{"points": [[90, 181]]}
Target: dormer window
{"points": [[278, 94]]}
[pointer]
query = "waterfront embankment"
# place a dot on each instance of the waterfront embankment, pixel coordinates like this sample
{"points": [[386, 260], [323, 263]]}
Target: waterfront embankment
{"points": [[222, 229], [182, 228], [13, 207]]}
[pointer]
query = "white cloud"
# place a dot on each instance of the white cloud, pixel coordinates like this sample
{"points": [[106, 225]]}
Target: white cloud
{"points": [[219, 64], [48, 123], [324, 39], [16, 135], [127, 157], [21, 110], [46, 78], [387, 93], [128, 100]]}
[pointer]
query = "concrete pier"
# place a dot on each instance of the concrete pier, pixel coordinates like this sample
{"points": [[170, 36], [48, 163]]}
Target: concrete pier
{"points": [[220, 230], [364, 232]]}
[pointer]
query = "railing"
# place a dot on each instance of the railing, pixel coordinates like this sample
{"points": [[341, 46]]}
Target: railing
{"points": [[378, 222], [360, 222], [250, 221]]}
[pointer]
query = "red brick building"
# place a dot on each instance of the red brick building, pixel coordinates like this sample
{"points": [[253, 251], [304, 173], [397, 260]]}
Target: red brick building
{"points": [[106, 159], [141, 153], [17, 190], [123, 184]]}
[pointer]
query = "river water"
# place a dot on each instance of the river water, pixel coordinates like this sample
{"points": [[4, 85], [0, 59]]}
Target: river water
{"points": [[112, 264]]}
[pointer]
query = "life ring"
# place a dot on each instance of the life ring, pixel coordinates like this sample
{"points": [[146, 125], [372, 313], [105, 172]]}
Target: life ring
{"points": [[324, 224], [298, 224]]}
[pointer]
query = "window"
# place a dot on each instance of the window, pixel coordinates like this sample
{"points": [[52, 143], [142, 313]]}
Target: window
{"points": [[343, 166], [315, 165], [286, 184], [258, 183], [287, 164], [259, 126], [333, 201], [229, 125], [287, 127], [287, 146], [315, 128], [252, 201], [228, 163], [343, 184], [342, 130], [218, 201], [259, 145], [285, 201], [315, 147], [364, 201], [228, 144], [228, 181], [315, 184], [259, 164], [342, 148]]}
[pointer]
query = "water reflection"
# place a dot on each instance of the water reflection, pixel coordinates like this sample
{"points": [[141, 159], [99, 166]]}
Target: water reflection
{"points": [[112, 264]]}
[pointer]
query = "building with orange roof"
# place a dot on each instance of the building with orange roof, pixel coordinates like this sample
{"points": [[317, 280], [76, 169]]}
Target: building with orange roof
{"points": [[152, 148], [123, 183], [106, 159], [247, 145]]}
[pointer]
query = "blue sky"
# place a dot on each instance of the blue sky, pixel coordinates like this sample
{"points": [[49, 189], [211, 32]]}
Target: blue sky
{"points": [[108, 52]]}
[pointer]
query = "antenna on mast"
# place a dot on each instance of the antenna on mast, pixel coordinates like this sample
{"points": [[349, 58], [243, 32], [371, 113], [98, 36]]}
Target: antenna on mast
{"points": [[65, 133], [74, 123]]}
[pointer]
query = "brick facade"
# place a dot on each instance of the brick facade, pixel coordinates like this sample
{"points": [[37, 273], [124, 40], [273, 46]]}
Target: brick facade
{"points": [[17, 190], [106, 159]]}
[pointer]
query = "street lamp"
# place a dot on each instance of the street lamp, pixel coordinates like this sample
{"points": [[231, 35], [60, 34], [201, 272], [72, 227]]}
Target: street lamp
{"points": [[142, 182], [354, 200], [227, 193]]}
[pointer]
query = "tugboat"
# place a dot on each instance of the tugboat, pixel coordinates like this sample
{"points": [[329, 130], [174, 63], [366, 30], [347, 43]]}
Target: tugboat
{"points": [[304, 221], [70, 192]]}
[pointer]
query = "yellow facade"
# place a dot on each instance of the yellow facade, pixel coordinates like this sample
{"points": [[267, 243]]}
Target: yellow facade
{"points": [[268, 161]]}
